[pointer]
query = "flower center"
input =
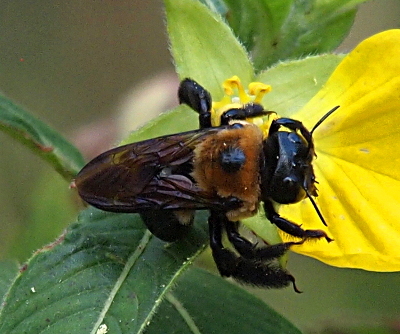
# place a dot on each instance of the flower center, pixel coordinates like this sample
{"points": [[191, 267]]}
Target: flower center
{"points": [[236, 97]]}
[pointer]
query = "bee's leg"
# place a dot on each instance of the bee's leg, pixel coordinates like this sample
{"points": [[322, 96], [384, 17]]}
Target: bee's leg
{"points": [[197, 98], [226, 260], [168, 225], [291, 124], [249, 250], [248, 111], [244, 270], [297, 125], [290, 227]]}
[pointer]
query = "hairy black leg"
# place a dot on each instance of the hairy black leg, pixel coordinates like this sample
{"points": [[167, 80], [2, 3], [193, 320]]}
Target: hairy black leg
{"points": [[197, 98], [247, 111], [249, 250], [290, 227], [225, 259], [246, 271]]}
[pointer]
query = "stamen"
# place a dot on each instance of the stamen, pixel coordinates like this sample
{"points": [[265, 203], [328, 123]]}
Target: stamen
{"points": [[230, 84], [258, 89]]}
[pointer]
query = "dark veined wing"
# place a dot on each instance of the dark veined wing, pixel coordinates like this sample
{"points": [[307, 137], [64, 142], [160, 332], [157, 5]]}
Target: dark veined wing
{"points": [[149, 175]]}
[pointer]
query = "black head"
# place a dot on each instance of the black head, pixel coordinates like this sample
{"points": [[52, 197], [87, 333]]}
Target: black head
{"points": [[288, 167], [288, 174]]}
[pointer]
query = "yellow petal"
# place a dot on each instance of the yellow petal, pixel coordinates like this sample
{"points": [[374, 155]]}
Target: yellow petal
{"points": [[358, 160]]}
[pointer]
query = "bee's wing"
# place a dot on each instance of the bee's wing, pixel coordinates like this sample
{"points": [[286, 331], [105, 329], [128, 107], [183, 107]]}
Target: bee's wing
{"points": [[150, 175]]}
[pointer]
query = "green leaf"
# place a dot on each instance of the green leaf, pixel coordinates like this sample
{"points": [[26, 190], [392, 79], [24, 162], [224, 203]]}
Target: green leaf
{"points": [[276, 30], [8, 271], [204, 47], [256, 24], [295, 82], [107, 269], [48, 216], [205, 303], [40, 138]]}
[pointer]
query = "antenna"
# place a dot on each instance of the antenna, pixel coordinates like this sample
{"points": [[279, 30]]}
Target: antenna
{"points": [[315, 206], [323, 118]]}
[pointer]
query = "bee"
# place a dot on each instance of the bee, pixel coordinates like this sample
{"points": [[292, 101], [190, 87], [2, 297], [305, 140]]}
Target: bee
{"points": [[229, 169]]}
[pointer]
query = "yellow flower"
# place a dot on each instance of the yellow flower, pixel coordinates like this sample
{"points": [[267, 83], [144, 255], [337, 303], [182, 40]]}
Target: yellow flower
{"points": [[358, 160]]}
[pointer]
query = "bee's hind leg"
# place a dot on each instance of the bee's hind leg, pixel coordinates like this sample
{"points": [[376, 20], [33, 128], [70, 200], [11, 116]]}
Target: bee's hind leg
{"points": [[246, 271]]}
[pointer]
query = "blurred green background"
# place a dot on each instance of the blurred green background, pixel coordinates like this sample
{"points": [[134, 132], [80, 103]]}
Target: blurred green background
{"points": [[95, 70]]}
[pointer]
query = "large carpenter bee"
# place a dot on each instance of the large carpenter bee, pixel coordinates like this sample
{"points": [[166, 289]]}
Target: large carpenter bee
{"points": [[227, 169]]}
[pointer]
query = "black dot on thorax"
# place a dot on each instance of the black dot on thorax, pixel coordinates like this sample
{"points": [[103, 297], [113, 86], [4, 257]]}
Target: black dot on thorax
{"points": [[232, 159]]}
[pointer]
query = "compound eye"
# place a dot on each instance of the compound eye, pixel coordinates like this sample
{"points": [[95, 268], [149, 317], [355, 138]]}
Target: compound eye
{"points": [[232, 159]]}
